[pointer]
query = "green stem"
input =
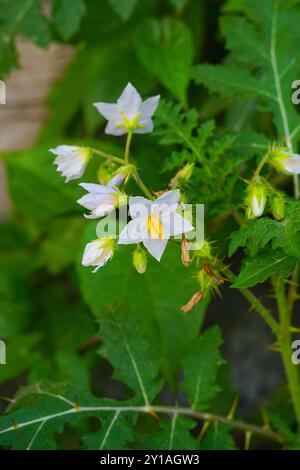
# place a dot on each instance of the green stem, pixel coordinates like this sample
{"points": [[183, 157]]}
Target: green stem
{"points": [[285, 341], [127, 147], [261, 164], [256, 304], [107, 156], [261, 309], [142, 185]]}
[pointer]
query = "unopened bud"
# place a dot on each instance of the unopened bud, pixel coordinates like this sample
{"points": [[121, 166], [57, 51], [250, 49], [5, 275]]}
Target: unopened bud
{"points": [[105, 174], [204, 249], [277, 205], [140, 260], [284, 161], [256, 197], [182, 176]]}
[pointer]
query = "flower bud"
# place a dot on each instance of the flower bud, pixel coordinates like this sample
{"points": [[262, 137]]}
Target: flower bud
{"points": [[204, 249], [105, 174], [277, 205], [140, 260], [284, 161], [256, 197], [182, 176]]}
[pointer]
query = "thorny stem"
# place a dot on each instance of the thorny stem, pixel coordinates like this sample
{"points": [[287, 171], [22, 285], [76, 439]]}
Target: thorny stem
{"points": [[170, 410], [256, 304], [285, 340]]}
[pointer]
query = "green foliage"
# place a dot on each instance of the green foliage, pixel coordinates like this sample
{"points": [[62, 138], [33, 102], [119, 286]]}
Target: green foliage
{"points": [[67, 16], [127, 368], [165, 48]]}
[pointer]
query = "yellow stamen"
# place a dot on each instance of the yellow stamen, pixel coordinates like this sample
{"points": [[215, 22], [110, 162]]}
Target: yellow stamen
{"points": [[155, 227], [130, 124]]}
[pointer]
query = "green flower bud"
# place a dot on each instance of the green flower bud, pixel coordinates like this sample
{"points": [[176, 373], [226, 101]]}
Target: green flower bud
{"points": [[256, 198], [277, 205], [140, 260], [182, 176]]}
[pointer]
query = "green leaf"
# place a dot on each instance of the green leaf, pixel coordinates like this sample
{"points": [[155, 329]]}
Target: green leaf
{"points": [[218, 437], [156, 297], [174, 435], [258, 233], [200, 369], [67, 15], [255, 235], [116, 433], [37, 189], [124, 8], [261, 63], [125, 348], [165, 48], [264, 265]]}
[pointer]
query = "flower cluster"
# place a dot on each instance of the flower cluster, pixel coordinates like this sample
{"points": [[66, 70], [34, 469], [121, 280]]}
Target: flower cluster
{"points": [[153, 221]]}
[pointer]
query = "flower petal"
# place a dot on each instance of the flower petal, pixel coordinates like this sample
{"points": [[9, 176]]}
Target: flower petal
{"points": [[109, 110], [98, 188], [149, 107], [155, 247], [134, 232], [292, 164], [113, 128], [138, 206], [130, 101], [175, 224], [147, 126]]}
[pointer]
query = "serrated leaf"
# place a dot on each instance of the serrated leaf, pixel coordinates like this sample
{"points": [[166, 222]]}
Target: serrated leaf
{"points": [[200, 369], [262, 266], [174, 435], [218, 437], [124, 347]]}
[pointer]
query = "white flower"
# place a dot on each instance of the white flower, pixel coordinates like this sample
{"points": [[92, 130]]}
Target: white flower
{"points": [[129, 114], [153, 222], [98, 252], [100, 199], [291, 163], [71, 161]]}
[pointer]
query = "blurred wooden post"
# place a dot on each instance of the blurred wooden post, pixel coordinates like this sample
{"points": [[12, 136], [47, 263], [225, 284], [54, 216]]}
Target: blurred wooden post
{"points": [[26, 89]]}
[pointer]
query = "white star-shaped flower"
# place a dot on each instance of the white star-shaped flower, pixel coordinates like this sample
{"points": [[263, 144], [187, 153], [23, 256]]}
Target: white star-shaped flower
{"points": [[71, 161], [98, 252], [154, 222], [100, 200], [129, 114]]}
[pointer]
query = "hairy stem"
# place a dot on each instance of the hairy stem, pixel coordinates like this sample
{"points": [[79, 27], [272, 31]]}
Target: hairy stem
{"points": [[127, 147], [285, 341], [107, 156], [142, 185]]}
